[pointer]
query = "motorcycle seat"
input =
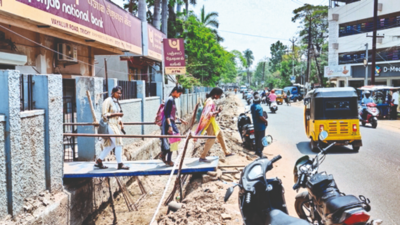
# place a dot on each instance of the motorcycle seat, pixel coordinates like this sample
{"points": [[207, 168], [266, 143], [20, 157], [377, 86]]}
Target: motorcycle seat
{"points": [[335, 204], [277, 217]]}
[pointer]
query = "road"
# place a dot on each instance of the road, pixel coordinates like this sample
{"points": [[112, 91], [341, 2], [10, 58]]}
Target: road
{"points": [[373, 172]]}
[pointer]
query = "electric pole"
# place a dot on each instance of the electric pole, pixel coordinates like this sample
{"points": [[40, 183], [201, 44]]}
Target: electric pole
{"points": [[373, 66], [366, 65], [307, 80], [293, 41]]}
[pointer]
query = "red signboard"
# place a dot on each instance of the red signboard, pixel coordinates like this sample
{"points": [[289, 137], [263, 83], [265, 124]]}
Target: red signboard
{"points": [[174, 56], [98, 20], [155, 38]]}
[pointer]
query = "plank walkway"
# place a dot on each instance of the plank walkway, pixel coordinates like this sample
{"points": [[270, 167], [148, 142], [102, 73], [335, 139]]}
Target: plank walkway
{"points": [[137, 168]]}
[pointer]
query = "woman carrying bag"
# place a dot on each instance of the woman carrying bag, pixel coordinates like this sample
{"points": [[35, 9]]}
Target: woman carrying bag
{"points": [[112, 114]]}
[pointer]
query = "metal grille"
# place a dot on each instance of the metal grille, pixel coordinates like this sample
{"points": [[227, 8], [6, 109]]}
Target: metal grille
{"points": [[151, 89], [343, 128], [26, 92], [70, 143], [129, 89]]}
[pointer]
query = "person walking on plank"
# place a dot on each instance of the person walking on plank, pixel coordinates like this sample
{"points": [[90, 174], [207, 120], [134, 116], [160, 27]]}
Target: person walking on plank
{"points": [[112, 113], [208, 124], [168, 125]]}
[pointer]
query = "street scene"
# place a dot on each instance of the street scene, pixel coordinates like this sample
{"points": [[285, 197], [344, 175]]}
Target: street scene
{"points": [[199, 112]]}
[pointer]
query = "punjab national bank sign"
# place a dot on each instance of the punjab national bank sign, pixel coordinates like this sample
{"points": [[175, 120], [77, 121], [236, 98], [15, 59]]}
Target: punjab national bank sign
{"points": [[174, 56], [98, 20]]}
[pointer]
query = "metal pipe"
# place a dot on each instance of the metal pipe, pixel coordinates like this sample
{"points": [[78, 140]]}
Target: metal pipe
{"points": [[135, 136], [127, 123]]}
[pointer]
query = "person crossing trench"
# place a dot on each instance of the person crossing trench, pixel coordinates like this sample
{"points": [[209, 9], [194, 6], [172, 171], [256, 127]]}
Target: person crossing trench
{"points": [[208, 124], [112, 113], [169, 127]]}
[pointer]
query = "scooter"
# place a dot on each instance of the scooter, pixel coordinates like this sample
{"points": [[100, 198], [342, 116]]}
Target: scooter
{"points": [[273, 107], [323, 203], [249, 100], [371, 117], [262, 200], [246, 130]]}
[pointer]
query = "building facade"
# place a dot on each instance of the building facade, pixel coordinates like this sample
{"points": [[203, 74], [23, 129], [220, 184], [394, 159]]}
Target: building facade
{"points": [[350, 25]]}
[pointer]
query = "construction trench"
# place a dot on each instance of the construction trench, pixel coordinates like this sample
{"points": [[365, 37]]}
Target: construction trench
{"points": [[203, 193]]}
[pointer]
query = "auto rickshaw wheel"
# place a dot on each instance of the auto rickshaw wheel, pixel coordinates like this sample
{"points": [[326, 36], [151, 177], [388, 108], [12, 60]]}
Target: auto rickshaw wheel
{"points": [[363, 123], [313, 146], [374, 124], [356, 148]]}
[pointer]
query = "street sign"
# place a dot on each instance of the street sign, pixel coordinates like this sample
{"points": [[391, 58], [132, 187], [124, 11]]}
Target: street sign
{"points": [[174, 56], [292, 79]]}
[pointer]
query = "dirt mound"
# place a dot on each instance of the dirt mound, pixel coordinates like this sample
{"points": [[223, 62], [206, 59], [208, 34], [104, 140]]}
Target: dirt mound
{"points": [[201, 207]]}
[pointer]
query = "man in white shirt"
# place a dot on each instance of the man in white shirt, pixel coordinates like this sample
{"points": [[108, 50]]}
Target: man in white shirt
{"points": [[395, 101]]}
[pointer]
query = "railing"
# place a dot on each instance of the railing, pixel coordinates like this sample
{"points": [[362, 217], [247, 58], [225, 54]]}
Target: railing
{"points": [[70, 143], [26, 92], [151, 89], [129, 89]]}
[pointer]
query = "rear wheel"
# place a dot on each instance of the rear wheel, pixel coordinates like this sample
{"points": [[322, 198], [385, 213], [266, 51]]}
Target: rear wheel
{"points": [[303, 207], [363, 123], [374, 124], [356, 148], [295, 100]]}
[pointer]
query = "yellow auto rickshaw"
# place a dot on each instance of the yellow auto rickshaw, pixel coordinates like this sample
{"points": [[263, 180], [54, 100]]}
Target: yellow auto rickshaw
{"points": [[279, 96], [334, 110]]}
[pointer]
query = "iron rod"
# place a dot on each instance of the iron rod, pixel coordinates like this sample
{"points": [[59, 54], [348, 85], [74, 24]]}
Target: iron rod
{"points": [[135, 136], [127, 123]]}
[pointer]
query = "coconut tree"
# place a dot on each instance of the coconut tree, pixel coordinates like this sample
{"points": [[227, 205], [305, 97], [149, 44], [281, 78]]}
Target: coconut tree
{"points": [[193, 2], [210, 20], [142, 10], [157, 14], [164, 17], [248, 55]]}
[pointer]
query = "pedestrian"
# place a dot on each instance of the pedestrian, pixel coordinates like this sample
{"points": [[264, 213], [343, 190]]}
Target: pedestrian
{"points": [[112, 114], [260, 123], [386, 110], [235, 91], [168, 125], [395, 102], [209, 124]]}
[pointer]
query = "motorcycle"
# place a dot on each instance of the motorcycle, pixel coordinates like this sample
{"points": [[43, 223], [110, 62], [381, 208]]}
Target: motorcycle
{"points": [[246, 130], [249, 100], [371, 117], [262, 200], [273, 107], [323, 203]]}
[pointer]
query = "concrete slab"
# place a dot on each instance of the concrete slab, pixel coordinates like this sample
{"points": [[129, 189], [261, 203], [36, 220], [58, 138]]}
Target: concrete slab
{"points": [[137, 168]]}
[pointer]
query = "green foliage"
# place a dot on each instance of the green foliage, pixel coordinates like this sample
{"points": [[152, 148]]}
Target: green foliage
{"points": [[277, 51]]}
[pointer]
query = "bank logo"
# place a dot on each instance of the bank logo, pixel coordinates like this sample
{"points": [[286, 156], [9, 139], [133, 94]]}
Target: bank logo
{"points": [[174, 44], [377, 70]]}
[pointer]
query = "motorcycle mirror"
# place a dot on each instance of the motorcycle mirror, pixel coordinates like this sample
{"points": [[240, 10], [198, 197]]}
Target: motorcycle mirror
{"points": [[323, 135], [228, 193]]}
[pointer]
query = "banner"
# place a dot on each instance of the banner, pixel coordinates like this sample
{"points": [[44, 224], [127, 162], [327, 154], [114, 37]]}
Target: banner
{"points": [[174, 56], [98, 20], [155, 38], [337, 71]]}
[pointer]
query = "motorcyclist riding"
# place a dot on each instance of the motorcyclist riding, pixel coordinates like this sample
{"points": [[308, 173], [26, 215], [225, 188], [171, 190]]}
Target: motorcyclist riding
{"points": [[367, 99]]}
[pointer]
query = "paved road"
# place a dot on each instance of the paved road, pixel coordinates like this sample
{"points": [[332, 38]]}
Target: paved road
{"points": [[373, 172]]}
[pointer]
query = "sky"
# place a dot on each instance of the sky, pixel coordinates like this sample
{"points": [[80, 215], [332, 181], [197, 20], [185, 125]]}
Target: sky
{"points": [[270, 20]]}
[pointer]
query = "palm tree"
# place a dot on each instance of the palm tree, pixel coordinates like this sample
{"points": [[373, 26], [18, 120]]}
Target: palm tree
{"points": [[157, 15], [164, 17], [248, 55], [142, 10], [193, 2], [210, 20]]}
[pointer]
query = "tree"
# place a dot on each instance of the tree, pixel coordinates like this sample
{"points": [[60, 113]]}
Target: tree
{"points": [[142, 10], [248, 55], [277, 51], [157, 14], [193, 2], [164, 17], [210, 20]]}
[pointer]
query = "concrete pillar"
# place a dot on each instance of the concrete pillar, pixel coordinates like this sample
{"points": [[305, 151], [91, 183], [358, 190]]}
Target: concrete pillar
{"points": [[141, 93], [48, 96], [88, 148], [112, 82], [159, 91], [389, 82]]}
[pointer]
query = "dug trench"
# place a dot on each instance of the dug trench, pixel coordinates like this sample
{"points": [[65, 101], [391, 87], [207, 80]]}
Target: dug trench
{"points": [[203, 201]]}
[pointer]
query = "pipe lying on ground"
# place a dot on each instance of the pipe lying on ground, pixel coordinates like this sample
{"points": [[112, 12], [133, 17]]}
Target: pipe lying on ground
{"points": [[127, 123]]}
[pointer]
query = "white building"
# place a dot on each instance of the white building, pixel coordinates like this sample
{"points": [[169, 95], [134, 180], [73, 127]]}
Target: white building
{"points": [[350, 21]]}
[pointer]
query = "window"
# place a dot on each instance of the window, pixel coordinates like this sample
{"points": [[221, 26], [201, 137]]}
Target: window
{"points": [[334, 105], [383, 22], [387, 54]]}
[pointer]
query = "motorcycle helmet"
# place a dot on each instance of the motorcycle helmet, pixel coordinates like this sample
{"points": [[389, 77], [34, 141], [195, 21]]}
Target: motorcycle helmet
{"points": [[273, 91], [257, 98], [367, 94]]}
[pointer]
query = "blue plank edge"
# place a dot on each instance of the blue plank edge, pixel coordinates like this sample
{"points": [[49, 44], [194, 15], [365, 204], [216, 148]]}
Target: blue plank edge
{"points": [[139, 173]]}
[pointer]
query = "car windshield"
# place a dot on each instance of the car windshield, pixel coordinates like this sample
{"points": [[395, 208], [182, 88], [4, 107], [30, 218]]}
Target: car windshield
{"points": [[278, 92]]}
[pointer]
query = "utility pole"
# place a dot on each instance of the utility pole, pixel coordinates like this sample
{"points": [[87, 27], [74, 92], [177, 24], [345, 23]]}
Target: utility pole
{"points": [[106, 75], [373, 66], [307, 80], [293, 41], [366, 65]]}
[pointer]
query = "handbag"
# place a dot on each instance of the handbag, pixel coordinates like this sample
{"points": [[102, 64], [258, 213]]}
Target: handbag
{"points": [[103, 127]]}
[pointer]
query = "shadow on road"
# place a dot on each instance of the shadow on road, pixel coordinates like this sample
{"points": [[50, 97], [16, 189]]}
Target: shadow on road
{"points": [[304, 148]]}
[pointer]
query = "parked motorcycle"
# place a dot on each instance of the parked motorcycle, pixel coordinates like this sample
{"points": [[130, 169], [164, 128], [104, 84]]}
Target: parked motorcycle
{"points": [[273, 107], [249, 100], [371, 117], [323, 203], [246, 130], [262, 200]]}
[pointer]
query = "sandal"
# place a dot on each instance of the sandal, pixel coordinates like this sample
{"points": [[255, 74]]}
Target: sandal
{"points": [[122, 167], [169, 163], [100, 164], [162, 156]]}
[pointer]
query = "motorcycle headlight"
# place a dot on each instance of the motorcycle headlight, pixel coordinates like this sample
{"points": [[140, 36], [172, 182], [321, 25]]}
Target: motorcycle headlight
{"points": [[255, 172]]}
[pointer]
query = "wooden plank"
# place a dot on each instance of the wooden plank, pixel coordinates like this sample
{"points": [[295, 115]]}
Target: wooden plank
{"points": [[137, 168]]}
